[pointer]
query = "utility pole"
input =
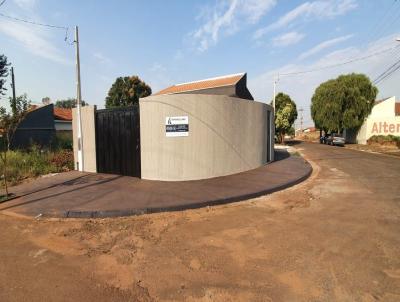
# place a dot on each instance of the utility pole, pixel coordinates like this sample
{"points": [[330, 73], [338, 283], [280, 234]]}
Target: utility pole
{"points": [[276, 79], [301, 119], [14, 102], [78, 102]]}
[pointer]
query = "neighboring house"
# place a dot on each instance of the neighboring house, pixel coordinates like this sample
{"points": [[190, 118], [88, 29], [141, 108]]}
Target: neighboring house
{"points": [[384, 119], [62, 119], [234, 85], [309, 129], [41, 125]]}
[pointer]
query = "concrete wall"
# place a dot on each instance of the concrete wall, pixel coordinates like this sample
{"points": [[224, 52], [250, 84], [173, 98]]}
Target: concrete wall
{"points": [[227, 135], [381, 121], [88, 138]]}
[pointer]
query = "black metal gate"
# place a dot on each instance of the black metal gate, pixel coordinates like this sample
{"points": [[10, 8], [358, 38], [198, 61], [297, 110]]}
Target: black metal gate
{"points": [[118, 141]]}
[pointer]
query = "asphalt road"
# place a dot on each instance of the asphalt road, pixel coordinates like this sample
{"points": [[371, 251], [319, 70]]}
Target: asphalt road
{"points": [[334, 237]]}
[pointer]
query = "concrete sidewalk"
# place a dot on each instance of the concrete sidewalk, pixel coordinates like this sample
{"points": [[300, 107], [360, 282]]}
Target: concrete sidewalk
{"points": [[75, 194]]}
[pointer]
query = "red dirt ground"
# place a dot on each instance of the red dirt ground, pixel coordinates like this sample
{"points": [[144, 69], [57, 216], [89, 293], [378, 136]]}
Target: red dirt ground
{"points": [[334, 237]]}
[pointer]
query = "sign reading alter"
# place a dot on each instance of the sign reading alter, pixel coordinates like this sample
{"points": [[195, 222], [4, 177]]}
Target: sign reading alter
{"points": [[176, 126]]}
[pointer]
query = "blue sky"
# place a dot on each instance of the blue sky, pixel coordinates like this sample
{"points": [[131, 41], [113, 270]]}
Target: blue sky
{"points": [[167, 42]]}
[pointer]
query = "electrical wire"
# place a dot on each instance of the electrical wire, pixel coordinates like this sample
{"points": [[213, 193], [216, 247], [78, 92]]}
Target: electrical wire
{"points": [[339, 64], [388, 72], [387, 76], [396, 57], [32, 22], [66, 28], [2, 2], [382, 23]]}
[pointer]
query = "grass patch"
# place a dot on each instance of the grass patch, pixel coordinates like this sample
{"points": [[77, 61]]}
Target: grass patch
{"points": [[33, 163], [384, 140]]}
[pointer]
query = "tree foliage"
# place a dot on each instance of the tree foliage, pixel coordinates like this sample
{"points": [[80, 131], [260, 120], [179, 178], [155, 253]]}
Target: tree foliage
{"points": [[68, 103], [3, 73], [343, 103], [126, 91], [9, 122], [285, 114]]}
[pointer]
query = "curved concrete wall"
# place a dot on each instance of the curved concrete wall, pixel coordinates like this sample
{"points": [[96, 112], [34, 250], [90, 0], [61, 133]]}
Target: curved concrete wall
{"points": [[227, 135]]}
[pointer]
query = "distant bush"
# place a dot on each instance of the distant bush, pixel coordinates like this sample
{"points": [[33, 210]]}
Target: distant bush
{"points": [[385, 140]]}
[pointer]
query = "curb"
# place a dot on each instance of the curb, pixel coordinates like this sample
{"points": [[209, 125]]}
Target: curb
{"points": [[150, 210]]}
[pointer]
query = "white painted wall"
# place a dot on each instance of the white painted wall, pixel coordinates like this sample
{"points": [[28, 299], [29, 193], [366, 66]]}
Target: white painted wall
{"points": [[381, 121], [63, 125]]}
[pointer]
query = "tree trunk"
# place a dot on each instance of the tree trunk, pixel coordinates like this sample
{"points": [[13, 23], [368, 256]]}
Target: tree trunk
{"points": [[5, 173], [282, 136]]}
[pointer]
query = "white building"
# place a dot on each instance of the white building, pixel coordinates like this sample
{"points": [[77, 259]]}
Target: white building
{"points": [[384, 119]]}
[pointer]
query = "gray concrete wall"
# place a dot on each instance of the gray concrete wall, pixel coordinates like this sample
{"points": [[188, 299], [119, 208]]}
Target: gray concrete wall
{"points": [[227, 135], [88, 138], [229, 90]]}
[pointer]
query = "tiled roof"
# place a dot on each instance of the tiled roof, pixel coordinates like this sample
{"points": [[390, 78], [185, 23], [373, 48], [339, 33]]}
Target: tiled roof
{"points": [[397, 108], [62, 114], [227, 80]]}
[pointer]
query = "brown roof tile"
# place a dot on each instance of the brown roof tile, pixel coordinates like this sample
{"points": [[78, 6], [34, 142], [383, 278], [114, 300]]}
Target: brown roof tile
{"points": [[397, 108], [64, 114], [203, 84]]}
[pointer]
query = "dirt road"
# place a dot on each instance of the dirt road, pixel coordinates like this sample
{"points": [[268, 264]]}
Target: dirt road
{"points": [[334, 237]]}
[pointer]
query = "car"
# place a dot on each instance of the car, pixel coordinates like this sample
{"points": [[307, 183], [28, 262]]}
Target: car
{"points": [[334, 139]]}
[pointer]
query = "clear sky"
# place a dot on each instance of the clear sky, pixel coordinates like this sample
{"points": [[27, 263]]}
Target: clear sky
{"points": [[167, 42]]}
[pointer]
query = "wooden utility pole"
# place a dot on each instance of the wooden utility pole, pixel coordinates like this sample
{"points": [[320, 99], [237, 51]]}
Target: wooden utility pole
{"points": [[78, 102], [14, 102], [301, 119]]}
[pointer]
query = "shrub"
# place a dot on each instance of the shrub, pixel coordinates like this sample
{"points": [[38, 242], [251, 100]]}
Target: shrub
{"points": [[384, 140], [35, 162], [63, 160]]}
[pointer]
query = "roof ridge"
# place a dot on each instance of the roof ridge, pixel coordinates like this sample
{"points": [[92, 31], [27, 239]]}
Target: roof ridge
{"points": [[212, 79]]}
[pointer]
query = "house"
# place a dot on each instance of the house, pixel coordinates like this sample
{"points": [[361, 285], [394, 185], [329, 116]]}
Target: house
{"points": [[233, 85], [189, 131], [41, 125], [384, 119]]}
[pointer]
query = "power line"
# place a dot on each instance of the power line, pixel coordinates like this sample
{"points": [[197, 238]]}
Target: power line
{"points": [[2, 2], [339, 64], [388, 72], [388, 75], [32, 22], [66, 28], [381, 25]]}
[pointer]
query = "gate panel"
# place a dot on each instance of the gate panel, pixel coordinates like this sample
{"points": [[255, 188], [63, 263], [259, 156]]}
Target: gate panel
{"points": [[118, 141]]}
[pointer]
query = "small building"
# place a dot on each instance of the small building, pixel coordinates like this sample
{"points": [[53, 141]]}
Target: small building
{"points": [[41, 125], [188, 131], [384, 119]]}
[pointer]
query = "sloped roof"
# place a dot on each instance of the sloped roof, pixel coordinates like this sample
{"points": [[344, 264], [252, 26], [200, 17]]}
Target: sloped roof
{"points": [[227, 80], [63, 114]]}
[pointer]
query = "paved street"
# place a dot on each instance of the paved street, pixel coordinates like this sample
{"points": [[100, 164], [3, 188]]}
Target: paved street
{"points": [[334, 237]]}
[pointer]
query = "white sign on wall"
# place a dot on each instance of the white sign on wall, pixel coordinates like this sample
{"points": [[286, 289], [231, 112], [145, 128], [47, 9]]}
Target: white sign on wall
{"points": [[176, 126]]}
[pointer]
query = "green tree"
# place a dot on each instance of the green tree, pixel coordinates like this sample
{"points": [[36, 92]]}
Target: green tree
{"points": [[343, 103], [9, 122], [285, 115], [3, 73], [126, 91], [68, 103]]}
